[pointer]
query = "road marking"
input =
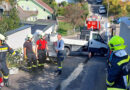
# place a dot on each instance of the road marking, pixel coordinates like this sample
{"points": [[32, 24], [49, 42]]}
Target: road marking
{"points": [[73, 76]]}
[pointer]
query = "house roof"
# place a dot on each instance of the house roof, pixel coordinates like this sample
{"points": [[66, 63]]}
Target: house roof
{"points": [[40, 2], [18, 29]]}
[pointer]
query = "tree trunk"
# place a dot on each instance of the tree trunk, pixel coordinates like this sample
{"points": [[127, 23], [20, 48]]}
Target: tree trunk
{"points": [[74, 28]]}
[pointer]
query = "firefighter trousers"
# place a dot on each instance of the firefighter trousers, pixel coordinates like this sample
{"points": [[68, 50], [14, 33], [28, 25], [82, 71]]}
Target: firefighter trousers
{"points": [[4, 70], [41, 58], [60, 58], [32, 61]]}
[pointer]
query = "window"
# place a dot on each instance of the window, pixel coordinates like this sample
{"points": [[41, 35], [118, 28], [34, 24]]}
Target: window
{"points": [[97, 37], [27, 8], [44, 9], [34, 18], [35, 9], [22, 6], [48, 17]]}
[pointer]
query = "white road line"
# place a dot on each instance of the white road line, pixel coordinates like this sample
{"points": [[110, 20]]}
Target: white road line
{"points": [[73, 76]]}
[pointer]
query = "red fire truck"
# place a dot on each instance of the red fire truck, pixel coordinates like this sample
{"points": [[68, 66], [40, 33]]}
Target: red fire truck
{"points": [[93, 24]]}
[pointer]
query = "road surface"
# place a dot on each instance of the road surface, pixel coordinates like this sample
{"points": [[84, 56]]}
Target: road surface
{"points": [[45, 80]]}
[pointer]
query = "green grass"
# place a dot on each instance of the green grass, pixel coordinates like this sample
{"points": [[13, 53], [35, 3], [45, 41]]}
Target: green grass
{"points": [[64, 27]]}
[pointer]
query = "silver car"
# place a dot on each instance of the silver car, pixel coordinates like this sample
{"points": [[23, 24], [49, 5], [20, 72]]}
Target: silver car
{"points": [[102, 10], [99, 1]]}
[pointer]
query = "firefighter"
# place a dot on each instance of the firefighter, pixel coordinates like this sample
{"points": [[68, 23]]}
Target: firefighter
{"points": [[4, 48], [29, 54], [41, 49], [60, 54], [117, 77]]}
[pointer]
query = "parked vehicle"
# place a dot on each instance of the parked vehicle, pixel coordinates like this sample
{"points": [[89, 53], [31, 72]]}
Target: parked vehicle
{"points": [[102, 10], [89, 41], [117, 20], [98, 1]]}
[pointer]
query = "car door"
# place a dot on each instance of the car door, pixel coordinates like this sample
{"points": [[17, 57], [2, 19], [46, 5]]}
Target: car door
{"points": [[96, 42]]}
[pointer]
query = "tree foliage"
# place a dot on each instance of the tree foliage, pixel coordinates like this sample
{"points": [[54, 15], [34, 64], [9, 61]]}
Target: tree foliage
{"points": [[116, 7], [79, 1], [51, 3], [64, 3], [61, 11], [10, 20], [128, 10], [74, 14]]}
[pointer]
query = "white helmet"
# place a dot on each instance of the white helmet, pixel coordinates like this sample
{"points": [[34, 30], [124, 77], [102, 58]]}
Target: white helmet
{"points": [[29, 36], [42, 34], [2, 37]]}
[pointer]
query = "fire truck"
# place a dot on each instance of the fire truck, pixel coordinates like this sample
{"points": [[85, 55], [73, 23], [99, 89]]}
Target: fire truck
{"points": [[93, 23]]}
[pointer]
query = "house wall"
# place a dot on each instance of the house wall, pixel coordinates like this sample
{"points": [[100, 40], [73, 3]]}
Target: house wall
{"points": [[17, 39], [31, 6]]}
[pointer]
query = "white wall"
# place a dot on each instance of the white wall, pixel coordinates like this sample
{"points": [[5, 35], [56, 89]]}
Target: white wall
{"points": [[16, 40]]}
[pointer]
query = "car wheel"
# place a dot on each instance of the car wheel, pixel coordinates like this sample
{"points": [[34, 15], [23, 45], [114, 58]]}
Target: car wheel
{"points": [[102, 51], [67, 50]]}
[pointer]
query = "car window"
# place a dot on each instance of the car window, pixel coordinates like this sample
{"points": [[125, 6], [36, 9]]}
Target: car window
{"points": [[97, 37]]}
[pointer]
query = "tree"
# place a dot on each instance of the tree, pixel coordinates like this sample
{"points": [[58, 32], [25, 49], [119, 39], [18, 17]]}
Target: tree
{"points": [[117, 7], [61, 11], [64, 3], [74, 15], [79, 1], [85, 8], [114, 6], [128, 9], [11, 21]]}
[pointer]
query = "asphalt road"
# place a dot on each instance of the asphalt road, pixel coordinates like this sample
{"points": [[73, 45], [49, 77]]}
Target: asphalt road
{"points": [[92, 77], [45, 80], [93, 74]]}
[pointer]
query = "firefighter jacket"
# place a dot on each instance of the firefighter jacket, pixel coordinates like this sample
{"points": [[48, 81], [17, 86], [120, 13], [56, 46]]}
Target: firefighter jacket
{"points": [[115, 76]]}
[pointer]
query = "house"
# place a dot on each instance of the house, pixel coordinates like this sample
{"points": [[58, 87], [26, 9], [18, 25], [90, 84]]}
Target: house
{"points": [[68, 1], [32, 10], [4, 8]]}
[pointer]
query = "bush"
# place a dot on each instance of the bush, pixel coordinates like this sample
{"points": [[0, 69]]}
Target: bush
{"points": [[64, 27], [14, 61], [61, 11], [64, 3]]}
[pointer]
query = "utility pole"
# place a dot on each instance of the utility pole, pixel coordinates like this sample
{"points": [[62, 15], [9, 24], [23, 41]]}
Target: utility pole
{"points": [[107, 20]]}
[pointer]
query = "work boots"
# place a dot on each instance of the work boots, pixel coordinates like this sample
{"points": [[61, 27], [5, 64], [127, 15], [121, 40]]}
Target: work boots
{"points": [[6, 82], [58, 72], [34, 69], [41, 68]]}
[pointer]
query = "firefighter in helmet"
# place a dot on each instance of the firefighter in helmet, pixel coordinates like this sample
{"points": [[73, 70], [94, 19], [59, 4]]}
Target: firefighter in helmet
{"points": [[4, 71], [41, 49], [117, 77], [29, 54]]}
